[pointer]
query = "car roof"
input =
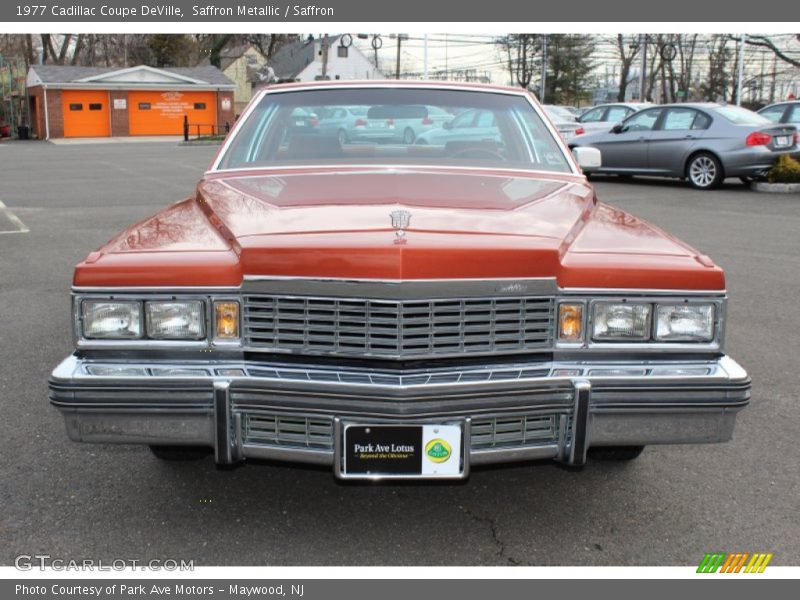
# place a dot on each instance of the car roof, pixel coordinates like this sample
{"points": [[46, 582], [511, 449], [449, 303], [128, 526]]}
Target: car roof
{"points": [[781, 103], [403, 83]]}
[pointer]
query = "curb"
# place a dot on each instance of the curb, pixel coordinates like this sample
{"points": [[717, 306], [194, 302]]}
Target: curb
{"points": [[776, 188]]}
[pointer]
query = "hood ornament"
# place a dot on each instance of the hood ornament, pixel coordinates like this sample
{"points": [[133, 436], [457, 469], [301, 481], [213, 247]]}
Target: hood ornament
{"points": [[400, 222]]}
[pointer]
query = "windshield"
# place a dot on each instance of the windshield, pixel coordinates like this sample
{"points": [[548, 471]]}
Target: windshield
{"points": [[394, 126], [740, 116]]}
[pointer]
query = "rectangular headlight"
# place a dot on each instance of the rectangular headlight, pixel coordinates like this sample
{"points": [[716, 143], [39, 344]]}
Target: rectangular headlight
{"points": [[114, 320], [175, 320], [623, 321], [685, 322]]}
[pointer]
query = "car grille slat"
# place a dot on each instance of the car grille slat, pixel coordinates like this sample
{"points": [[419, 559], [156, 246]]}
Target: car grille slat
{"points": [[397, 329]]}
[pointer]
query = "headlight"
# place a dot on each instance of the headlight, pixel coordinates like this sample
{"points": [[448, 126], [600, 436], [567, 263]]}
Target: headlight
{"points": [[104, 319], [175, 320], [627, 321], [685, 322]]}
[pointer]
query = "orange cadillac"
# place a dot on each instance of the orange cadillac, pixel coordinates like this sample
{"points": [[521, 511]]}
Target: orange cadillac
{"points": [[360, 285]]}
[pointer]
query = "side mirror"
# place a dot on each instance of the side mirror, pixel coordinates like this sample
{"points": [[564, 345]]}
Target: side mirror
{"points": [[588, 159], [618, 128], [447, 124]]}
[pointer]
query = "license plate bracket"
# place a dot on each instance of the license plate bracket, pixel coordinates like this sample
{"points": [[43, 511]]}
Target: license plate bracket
{"points": [[401, 451], [782, 141]]}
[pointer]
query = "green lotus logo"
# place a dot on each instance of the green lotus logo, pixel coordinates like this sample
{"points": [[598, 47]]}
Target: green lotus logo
{"points": [[438, 450]]}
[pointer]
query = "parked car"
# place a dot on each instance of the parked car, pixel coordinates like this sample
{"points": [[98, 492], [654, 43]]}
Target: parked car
{"points": [[604, 116], [468, 125], [701, 142], [573, 110], [387, 124], [398, 311], [782, 112], [342, 121], [564, 121]]}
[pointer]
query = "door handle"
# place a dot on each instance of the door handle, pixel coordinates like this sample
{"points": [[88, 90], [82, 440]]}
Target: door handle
{"points": [[691, 137]]}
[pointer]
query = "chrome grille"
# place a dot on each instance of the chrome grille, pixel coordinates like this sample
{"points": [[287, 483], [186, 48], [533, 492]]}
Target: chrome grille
{"points": [[298, 431], [288, 430], [503, 432], [397, 328]]}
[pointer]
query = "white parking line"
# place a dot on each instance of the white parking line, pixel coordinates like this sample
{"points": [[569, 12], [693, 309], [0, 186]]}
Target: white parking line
{"points": [[21, 227]]}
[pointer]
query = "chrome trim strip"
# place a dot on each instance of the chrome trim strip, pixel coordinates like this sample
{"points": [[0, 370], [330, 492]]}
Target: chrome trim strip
{"points": [[400, 289]]}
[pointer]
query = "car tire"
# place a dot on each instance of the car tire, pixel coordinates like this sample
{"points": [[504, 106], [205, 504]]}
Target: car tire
{"points": [[704, 171], [177, 453], [342, 136], [616, 453], [409, 136]]}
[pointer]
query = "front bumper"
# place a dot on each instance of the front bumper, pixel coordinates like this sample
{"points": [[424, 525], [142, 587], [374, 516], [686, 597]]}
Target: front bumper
{"points": [[521, 411]]}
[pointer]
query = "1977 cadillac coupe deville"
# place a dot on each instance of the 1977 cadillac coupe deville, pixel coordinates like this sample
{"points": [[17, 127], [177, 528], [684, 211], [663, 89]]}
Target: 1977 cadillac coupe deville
{"points": [[398, 310]]}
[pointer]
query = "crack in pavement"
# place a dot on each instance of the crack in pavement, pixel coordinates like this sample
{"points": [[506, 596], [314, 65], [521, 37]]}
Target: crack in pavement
{"points": [[492, 523]]}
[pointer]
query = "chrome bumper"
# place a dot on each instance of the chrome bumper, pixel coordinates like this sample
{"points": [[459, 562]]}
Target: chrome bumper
{"points": [[552, 410]]}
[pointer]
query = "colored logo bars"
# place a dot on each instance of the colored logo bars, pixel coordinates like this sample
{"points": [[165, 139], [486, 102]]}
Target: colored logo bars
{"points": [[734, 562]]}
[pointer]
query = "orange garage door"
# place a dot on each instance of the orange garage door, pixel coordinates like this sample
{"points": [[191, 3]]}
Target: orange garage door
{"points": [[85, 113], [161, 113]]}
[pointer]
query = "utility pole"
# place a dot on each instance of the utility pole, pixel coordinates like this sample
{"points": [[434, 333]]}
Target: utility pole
{"points": [[425, 59], [397, 66], [741, 71], [643, 71], [774, 79], [543, 79], [324, 56]]}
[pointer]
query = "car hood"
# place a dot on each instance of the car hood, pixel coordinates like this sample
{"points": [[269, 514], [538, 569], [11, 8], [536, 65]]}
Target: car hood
{"points": [[339, 224]]}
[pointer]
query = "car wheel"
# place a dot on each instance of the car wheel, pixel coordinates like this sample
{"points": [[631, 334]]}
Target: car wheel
{"points": [[180, 452], [342, 135], [615, 452], [704, 171], [409, 136]]}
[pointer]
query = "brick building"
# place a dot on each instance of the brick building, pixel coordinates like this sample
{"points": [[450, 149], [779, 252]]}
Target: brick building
{"points": [[69, 101]]}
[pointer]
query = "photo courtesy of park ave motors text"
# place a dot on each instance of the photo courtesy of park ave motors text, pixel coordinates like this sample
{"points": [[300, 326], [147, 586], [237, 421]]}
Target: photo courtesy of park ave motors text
{"points": [[271, 291]]}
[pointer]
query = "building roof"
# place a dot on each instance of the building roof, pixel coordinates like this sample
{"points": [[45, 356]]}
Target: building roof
{"points": [[142, 75], [229, 55], [290, 60]]}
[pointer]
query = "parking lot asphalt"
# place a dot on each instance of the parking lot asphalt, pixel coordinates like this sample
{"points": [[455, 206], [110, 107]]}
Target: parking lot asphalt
{"points": [[106, 502]]}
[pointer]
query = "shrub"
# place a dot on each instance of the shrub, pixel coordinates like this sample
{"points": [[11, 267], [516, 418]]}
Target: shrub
{"points": [[786, 170]]}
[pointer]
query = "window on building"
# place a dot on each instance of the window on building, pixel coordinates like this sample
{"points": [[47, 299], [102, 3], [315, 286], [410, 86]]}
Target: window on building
{"points": [[96, 106], [144, 106], [76, 106], [199, 105], [341, 51]]}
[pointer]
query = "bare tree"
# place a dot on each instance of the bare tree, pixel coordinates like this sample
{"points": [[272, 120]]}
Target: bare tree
{"points": [[628, 49], [522, 50]]}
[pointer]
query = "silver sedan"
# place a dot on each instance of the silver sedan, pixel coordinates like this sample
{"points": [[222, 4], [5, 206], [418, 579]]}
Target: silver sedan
{"points": [[701, 142]]}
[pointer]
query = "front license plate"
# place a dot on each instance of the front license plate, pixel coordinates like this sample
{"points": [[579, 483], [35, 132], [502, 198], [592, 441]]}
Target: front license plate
{"points": [[782, 141], [406, 451]]}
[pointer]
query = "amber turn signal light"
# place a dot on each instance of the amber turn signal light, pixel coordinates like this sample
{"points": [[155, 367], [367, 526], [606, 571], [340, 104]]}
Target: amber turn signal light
{"points": [[226, 319], [570, 322]]}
